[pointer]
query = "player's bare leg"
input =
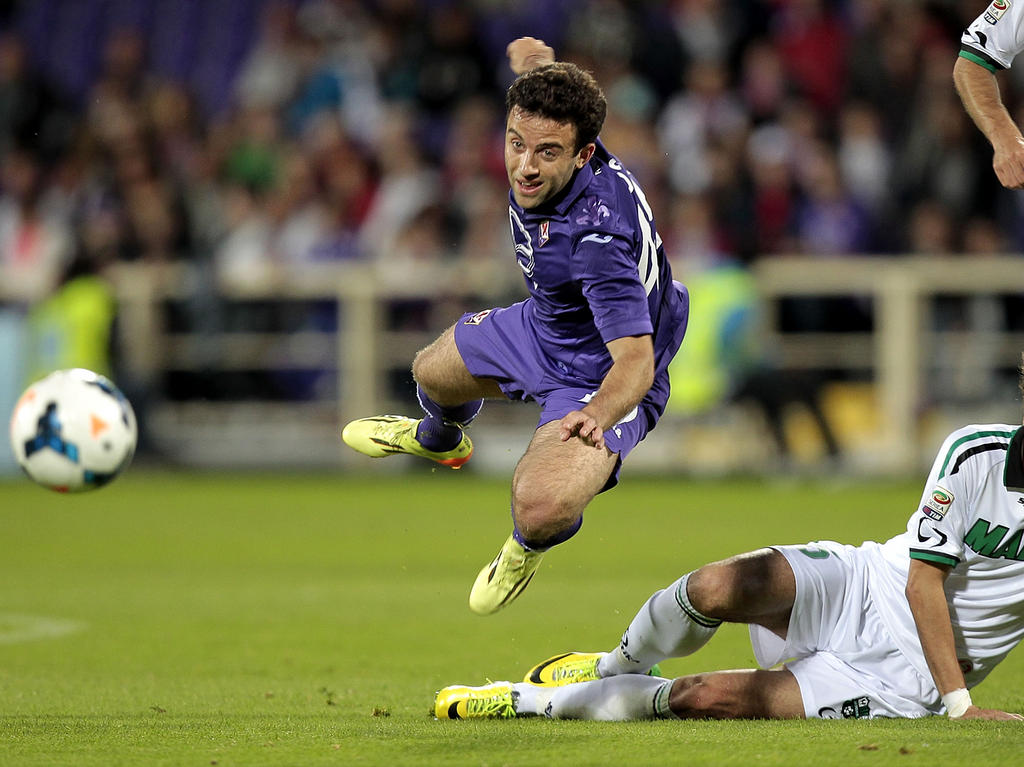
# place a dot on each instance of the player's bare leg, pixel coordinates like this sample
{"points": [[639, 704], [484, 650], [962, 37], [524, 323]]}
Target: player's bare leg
{"points": [[552, 485], [747, 694], [440, 371], [451, 398]]}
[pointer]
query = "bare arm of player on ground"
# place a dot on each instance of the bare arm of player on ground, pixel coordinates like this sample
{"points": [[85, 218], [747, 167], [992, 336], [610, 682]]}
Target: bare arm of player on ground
{"points": [[931, 614], [979, 92], [628, 380]]}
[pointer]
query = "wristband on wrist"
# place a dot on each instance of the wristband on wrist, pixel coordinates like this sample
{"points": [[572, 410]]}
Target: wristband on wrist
{"points": [[956, 702]]}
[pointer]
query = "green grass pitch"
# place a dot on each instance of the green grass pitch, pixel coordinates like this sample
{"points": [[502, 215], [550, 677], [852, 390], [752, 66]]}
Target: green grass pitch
{"points": [[183, 619]]}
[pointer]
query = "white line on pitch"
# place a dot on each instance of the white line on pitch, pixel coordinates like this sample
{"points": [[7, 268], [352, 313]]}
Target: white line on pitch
{"points": [[30, 628]]}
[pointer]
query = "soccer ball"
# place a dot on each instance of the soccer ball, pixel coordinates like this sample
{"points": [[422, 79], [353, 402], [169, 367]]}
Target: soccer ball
{"points": [[73, 431]]}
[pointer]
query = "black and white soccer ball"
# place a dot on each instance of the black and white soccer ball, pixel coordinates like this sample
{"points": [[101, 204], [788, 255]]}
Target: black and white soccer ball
{"points": [[73, 431]]}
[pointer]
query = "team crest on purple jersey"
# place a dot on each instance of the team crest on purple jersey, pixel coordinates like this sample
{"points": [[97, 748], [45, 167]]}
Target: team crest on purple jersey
{"points": [[545, 225], [477, 318]]}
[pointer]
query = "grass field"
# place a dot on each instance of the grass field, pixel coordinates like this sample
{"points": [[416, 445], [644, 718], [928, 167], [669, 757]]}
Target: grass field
{"points": [[181, 619]]}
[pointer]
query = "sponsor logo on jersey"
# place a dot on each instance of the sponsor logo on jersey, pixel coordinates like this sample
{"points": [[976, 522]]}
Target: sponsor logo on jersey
{"points": [[857, 708], [996, 10], [545, 225], [477, 318], [938, 503], [995, 542]]}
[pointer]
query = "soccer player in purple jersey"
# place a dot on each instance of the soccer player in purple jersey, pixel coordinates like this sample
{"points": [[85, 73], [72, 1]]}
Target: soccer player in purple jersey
{"points": [[591, 344]]}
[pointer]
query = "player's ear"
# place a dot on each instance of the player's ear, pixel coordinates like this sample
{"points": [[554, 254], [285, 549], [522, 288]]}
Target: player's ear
{"points": [[584, 155]]}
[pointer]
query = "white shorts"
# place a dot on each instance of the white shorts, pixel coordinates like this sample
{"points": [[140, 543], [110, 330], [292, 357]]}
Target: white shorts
{"points": [[837, 647]]}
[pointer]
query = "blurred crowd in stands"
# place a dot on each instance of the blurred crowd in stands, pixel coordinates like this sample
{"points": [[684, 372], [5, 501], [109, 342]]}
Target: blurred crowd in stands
{"points": [[250, 139], [319, 130]]}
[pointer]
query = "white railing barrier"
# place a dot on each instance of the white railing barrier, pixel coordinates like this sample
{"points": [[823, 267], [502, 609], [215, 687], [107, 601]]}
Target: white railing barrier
{"points": [[362, 350]]}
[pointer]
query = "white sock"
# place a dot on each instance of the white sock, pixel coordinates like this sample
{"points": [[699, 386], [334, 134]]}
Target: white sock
{"points": [[617, 699], [531, 699], [667, 626]]}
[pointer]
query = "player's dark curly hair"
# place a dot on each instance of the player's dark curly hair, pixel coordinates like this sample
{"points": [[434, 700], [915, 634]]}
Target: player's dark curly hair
{"points": [[564, 93]]}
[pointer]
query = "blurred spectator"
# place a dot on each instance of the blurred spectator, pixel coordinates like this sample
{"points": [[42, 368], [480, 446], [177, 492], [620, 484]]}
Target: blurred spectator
{"points": [[931, 231], [706, 111], [72, 326], [865, 159], [812, 40], [693, 242], [270, 73], [773, 192], [245, 258], [707, 29], [300, 219], [32, 115], [764, 86], [34, 249], [938, 158], [828, 221], [408, 185], [347, 184]]}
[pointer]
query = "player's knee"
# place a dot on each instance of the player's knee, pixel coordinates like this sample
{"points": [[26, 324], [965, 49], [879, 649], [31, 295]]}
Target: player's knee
{"points": [[735, 588], [711, 588], [542, 515]]}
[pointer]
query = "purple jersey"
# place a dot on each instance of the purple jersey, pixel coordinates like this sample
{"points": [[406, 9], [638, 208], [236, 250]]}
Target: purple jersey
{"points": [[596, 271]]}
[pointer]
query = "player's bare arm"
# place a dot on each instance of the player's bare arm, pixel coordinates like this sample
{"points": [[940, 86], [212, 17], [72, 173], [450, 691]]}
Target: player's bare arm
{"points": [[927, 600], [528, 53], [979, 91], [628, 380]]}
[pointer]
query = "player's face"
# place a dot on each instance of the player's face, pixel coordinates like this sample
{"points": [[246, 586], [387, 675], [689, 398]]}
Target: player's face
{"points": [[540, 156]]}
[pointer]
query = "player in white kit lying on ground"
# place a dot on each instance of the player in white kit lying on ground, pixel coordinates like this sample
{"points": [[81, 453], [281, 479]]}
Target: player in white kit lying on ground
{"points": [[897, 629]]}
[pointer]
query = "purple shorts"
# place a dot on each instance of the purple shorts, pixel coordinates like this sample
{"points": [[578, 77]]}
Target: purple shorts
{"points": [[500, 344]]}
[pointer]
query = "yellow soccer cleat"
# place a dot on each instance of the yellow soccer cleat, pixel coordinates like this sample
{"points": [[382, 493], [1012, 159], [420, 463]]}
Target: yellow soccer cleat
{"points": [[383, 435], [496, 700], [504, 579], [566, 668], [569, 668]]}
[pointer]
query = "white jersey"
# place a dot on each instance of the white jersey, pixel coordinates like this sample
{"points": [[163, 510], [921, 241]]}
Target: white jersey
{"points": [[971, 517], [996, 36]]}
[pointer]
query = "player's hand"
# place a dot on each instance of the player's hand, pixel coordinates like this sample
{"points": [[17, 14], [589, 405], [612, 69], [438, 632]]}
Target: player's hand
{"points": [[973, 712], [580, 424], [1008, 163], [528, 53]]}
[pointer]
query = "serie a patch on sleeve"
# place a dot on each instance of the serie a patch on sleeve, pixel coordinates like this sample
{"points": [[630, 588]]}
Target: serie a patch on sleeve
{"points": [[938, 501], [996, 10]]}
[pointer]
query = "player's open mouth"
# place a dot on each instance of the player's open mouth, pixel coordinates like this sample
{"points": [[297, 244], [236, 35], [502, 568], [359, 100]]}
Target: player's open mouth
{"points": [[528, 188]]}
